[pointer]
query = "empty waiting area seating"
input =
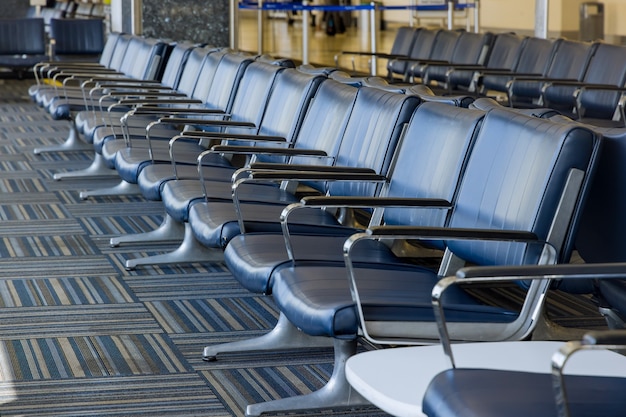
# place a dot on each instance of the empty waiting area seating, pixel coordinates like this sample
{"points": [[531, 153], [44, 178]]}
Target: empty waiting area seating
{"points": [[333, 240]]}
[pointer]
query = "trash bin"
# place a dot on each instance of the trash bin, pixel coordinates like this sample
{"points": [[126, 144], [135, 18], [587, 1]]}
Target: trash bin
{"points": [[591, 21]]}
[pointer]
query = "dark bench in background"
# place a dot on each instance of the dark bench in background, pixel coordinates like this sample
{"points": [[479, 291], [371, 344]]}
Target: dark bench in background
{"points": [[22, 44]]}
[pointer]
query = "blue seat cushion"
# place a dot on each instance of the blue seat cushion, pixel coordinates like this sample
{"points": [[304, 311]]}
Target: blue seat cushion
{"points": [[214, 224], [497, 393], [153, 178], [103, 134], [179, 195], [129, 162], [252, 258], [316, 298]]}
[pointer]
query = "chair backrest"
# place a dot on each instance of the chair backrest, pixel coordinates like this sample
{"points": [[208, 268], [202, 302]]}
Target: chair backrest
{"points": [[325, 121], [252, 95], [286, 107], [22, 36], [571, 60], [470, 49], [225, 81], [473, 48], [442, 50], [77, 37], [371, 136], [503, 55], [119, 52], [420, 49], [603, 224], [175, 65], [568, 62], [196, 78], [402, 44], [608, 67], [534, 58], [536, 55], [109, 48], [431, 160], [505, 52], [144, 58], [524, 173], [444, 45]]}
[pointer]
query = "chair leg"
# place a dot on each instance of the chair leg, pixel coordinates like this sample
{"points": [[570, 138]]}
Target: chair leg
{"points": [[72, 143], [123, 188], [189, 251], [336, 393], [97, 169], [169, 230], [283, 336]]}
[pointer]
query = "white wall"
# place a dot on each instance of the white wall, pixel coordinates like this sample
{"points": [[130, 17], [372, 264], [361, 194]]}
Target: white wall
{"points": [[614, 17]]}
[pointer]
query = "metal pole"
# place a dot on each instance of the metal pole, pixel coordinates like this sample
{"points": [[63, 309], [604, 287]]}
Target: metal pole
{"points": [[541, 18], [450, 15], [234, 25], [305, 33], [476, 16], [373, 38], [412, 14], [260, 28]]}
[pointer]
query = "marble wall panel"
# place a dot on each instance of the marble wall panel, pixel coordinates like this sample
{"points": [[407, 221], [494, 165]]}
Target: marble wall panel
{"points": [[204, 21]]}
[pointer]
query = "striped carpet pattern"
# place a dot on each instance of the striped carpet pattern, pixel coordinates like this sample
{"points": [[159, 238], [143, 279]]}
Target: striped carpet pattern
{"points": [[80, 335]]}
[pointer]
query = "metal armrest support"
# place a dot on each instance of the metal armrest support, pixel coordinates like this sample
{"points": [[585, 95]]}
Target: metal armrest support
{"points": [[140, 107], [271, 166], [549, 255], [145, 109], [186, 122], [369, 54], [257, 150], [537, 79], [479, 75], [371, 202], [147, 92], [601, 340], [326, 176], [290, 167], [580, 110], [354, 202], [183, 121], [312, 176], [516, 273], [220, 149], [121, 79], [137, 84], [262, 150], [451, 233], [237, 136]]}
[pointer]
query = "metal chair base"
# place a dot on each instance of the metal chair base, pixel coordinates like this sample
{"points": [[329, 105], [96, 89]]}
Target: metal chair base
{"points": [[97, 169], [336, 393], [283, 336], [123, 188], [169, 230], [72, 143], [189, 251]]}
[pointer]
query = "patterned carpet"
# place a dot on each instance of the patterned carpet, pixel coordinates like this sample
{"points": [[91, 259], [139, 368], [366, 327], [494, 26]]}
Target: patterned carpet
{"points": [[80, 335]]}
